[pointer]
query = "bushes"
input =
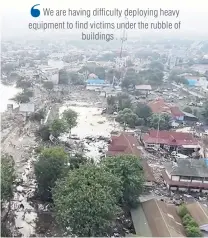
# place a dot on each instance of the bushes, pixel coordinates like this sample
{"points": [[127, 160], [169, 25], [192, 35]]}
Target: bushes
{"points": [[182, 211], [191, 226]]}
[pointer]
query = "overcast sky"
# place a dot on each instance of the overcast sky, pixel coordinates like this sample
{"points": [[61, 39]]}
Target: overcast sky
{"points": [[16, 14]]}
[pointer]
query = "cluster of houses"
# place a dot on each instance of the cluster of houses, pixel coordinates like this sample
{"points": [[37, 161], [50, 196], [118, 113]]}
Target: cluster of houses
{"points": [[183, 174], [160, 106], [187, 175]]}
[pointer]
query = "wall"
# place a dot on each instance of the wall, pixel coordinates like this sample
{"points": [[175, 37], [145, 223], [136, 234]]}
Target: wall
{"points": [[175, 178]]}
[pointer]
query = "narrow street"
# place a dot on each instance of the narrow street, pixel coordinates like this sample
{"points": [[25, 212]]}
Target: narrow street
{"points": [[20, 144]]}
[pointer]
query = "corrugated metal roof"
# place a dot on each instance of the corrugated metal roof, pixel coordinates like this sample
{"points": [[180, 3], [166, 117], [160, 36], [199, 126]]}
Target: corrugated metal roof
{"points": [[143, 87]]}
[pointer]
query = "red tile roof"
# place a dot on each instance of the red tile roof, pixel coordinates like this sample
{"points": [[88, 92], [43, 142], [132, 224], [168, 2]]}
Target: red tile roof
{"points": [[127, 143], [171, 138], [160, 106], [175, 111]]}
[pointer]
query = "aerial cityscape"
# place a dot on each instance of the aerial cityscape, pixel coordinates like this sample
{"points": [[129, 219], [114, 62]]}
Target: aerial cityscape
{"points": [[104, 133], [97, 137]]}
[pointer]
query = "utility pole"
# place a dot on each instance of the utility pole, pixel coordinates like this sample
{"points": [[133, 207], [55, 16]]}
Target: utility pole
{"points": [[123, 39], [158, 128]]}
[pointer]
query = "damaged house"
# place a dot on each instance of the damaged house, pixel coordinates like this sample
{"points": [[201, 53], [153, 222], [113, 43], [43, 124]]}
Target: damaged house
{"points": [[127, 144], [160, 106], [187, 175], [171, 141]]}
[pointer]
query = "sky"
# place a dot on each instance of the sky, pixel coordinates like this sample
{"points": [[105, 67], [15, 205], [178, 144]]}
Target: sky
{"points": [[15, 16]]}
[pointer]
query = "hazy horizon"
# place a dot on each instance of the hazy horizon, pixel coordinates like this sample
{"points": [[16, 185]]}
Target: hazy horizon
{"points": [[16, 17]]}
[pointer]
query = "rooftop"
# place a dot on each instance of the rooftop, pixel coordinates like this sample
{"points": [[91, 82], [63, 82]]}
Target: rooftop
{"points": [[143, 87], [160, 106], [126, 143], [27, 107], [95, 81], [164, 223], [188, 167], [172, 138], [199, 212]]}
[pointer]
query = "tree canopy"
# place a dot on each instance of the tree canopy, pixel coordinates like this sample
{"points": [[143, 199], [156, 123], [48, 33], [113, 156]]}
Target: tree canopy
{"points": [[86, 201], [130, 78], [156, 65], [124, 101], [48, 168], [48, 85], [205, 111], [128, 168], [63, 77], [128, 118], [22, 83], [70, 116], [143, 111], [57, 127], [21, 98], [160, 120]]}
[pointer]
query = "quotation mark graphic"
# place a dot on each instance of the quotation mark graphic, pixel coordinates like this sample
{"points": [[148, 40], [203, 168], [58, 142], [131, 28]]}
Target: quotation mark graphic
{"points": [[35, 12]]}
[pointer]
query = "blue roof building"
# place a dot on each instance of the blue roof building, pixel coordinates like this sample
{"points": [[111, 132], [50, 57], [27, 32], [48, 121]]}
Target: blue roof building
{"points": [[95, 82], [192, 82]]}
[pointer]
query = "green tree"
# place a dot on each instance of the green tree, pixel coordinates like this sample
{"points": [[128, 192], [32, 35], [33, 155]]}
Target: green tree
{"points": [[151, 76], [182, 210], [21, 83], [63, 77], [71, 118], [75, 79], [48, 85], [143, 111], [21, 98], [178, 79], [86, 201], [48, 168], [140, 122], [205, 112], [100, 72], [129, 79], [187, 109], [7, 177], [44, 132], [28, 92], [57, 127], [75, 161], [156, 65], [160, 120], [186, 219], [127, 117], [111, 102], [192, 231], [128, 168], [37, 116], [111, 74], [124, 101]]}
